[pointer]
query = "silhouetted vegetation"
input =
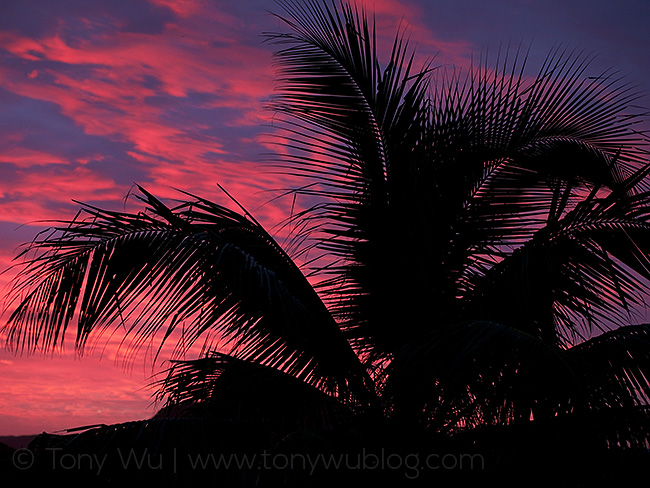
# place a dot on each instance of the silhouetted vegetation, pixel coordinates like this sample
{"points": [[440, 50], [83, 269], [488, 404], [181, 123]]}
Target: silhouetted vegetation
{"points": [[462, 280]]}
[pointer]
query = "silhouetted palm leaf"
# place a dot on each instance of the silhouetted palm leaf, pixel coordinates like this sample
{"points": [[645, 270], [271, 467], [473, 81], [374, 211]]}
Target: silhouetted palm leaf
{"points": [[199, 265], [470, 381], [222, 386], [489, 166]]}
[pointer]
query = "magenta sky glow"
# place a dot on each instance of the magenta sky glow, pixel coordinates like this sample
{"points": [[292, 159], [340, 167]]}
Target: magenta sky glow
{"points": [[169, 94]]}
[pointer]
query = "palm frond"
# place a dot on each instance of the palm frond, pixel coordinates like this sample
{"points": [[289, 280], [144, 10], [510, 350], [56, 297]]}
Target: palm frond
{"points": [[486, 374], [199, 265], [355, 130], [587, 269], [223, 386], [466, 375], [448, 186]]}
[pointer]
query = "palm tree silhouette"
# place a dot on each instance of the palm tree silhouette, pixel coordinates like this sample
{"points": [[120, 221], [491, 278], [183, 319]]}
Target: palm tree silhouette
{"points": [[472, 255]]}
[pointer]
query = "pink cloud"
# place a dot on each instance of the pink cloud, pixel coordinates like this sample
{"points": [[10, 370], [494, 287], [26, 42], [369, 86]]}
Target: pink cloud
{"points": [[183, 64], [182, 8], [43, 394], [24, 157], [79, 182], [29, 196], [110, 97]]}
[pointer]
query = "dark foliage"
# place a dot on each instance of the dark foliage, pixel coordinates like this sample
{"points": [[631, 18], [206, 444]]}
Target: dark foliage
{"points": [[473, 253]]}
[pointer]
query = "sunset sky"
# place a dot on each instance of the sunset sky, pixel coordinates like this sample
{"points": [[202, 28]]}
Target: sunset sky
{"points": [[97, 95]]}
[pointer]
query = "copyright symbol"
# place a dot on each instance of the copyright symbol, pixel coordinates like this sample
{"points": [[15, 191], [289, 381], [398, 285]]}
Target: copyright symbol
{"points": [[23, 459]]}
